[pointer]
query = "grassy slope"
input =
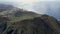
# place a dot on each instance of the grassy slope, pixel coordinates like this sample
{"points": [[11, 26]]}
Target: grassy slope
{"points": [[52, 22]]}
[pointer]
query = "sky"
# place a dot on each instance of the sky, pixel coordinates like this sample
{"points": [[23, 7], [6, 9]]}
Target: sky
{"points": [[50, 7], [26, 1], [25, 4]]}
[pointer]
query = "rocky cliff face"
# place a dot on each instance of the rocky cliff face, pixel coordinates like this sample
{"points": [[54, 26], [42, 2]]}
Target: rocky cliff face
{"points": [[23, 22]]}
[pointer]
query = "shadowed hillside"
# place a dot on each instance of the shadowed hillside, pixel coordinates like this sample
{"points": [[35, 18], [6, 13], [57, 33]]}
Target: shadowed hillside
{"points": [[19, 21]]}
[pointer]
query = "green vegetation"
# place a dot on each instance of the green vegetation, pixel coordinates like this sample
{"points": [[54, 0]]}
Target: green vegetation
{"points": [[19, 21]]}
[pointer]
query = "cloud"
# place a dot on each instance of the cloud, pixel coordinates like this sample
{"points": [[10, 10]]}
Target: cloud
{"points": [[25, 1]]}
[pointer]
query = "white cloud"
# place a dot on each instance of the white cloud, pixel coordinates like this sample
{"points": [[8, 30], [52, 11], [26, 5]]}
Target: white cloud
{"points": [[25, 1]]}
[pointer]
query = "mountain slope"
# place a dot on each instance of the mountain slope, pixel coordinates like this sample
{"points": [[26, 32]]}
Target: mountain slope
{"points": [[37, 25], [19, 21]]}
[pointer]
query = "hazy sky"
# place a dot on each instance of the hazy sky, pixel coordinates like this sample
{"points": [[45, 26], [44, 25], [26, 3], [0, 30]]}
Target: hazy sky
{"points": [[26, 4], [26, 1]]}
